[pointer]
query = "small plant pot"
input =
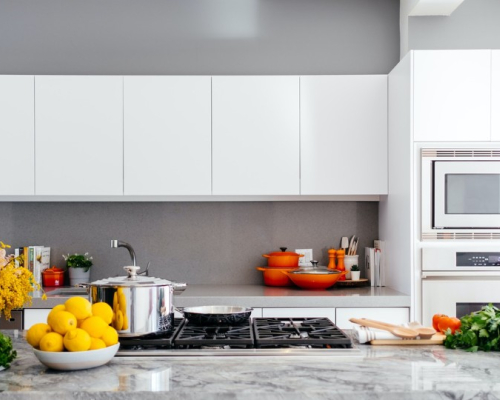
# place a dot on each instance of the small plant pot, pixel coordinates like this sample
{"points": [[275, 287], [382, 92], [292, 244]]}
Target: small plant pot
{"points": [[78, 275], [355, 275], [349, 261]]}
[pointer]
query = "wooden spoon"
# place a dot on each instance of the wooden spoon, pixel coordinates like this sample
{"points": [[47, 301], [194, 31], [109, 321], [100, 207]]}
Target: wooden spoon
{"points": [[399, 331], [423, 332]]}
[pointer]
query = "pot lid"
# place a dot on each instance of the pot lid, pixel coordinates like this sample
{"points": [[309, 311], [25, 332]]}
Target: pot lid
{"points": [[133, 279], [315, 270], [283, 253]]}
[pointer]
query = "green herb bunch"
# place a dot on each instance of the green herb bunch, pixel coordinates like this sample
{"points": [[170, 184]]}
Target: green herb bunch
{"points": [[7, 354], [78, 261], [480, 330]]}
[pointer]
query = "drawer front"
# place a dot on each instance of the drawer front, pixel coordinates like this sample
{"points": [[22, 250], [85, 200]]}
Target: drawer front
{"points": [[15, 322], [391, 315], [299, 313]]}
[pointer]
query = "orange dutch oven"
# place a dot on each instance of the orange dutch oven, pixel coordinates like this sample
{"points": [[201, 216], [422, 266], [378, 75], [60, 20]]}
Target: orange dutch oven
{"points": [[276, 276], [283, 259]]}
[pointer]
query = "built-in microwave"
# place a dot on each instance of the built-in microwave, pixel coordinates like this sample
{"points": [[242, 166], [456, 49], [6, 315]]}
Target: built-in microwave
{"points": [[460, 193]]}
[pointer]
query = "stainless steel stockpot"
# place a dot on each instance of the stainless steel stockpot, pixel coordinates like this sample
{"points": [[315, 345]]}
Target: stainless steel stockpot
{"points": [[142, 305]]}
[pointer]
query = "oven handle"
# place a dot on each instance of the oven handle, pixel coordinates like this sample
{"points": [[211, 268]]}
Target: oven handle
{"points": [[466, 274]]}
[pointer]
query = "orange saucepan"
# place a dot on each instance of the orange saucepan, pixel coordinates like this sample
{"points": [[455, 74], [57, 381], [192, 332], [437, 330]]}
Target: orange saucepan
{"points": [[315, 280], [283, 259], [276, 276]]}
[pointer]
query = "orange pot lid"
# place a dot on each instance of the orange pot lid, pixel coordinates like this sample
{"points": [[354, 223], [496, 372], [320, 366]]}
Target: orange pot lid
{"points": [[52, 270], [283, 253]]}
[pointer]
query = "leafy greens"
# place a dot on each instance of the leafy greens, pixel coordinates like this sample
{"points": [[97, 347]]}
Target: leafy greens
{"points": [[480, 330], [7, 354]]}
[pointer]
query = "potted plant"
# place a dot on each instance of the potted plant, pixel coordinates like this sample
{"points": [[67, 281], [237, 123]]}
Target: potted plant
{"points": [[355, 272], [78, 266]]}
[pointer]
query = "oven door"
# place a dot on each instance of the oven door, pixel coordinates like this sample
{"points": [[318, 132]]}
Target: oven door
{"points": [[466, 194], [456, 296]]}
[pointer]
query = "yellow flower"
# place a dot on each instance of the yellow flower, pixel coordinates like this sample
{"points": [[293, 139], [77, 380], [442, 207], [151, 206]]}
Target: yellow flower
{"points": [[4, 246]]}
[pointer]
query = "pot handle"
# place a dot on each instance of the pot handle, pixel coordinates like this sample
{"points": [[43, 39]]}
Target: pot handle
{"points": [[84, 285], [260, 269], [266, 256], [179, 309]]}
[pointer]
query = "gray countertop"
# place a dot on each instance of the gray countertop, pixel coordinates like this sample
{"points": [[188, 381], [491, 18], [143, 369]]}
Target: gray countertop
{"points": [[266, 296], [383, 372]]}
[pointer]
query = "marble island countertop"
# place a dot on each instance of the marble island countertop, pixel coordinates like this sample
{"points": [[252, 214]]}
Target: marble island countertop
{"points": [[383, 372], [266, 296]]}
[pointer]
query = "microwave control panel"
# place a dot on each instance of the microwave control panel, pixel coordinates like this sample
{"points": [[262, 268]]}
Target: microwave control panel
{"points": [[483, 259]]}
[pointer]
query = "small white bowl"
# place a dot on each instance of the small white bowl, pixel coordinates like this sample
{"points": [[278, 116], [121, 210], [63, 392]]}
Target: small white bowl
{"points": [[72, 361]]}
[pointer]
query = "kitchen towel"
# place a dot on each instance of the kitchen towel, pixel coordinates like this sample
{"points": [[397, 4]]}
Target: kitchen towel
{"points": [[365, 335]]}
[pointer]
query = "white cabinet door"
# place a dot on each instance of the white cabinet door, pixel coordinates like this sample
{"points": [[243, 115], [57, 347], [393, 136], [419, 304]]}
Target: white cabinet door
{"points": [[79, 135], [452, 95], [255, 135], [495, 95], [17, 139], [299, 313], [396, 316], [168, 137], [34, 316], [343, 135]]}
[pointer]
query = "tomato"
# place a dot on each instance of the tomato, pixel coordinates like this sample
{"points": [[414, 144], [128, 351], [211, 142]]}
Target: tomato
{"points": [[435, 321], [449, 322]]}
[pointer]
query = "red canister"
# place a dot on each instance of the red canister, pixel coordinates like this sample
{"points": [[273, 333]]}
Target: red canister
{"points": [[53, 277]]}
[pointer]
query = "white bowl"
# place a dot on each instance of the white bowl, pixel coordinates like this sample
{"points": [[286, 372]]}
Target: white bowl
{"points": [[72, 361]]}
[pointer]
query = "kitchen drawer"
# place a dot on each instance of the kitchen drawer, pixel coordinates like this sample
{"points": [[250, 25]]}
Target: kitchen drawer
{"points": [[15, 321], [34, 316], [299, 313], [391, 315]]}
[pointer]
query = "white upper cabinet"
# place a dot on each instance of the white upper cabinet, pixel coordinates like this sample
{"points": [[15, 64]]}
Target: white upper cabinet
{"points": [[495, 95], [452, 95], [167, 135], [17, 140], [79, 135], [255, 135], [343, 135]]}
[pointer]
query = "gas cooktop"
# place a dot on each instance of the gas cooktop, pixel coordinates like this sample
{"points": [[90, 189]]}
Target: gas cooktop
{"points": [[257, 337]]}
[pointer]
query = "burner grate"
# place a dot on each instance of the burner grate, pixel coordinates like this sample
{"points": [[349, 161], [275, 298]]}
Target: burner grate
{"points": [[313, 332], [192, 336], [161, 340]]}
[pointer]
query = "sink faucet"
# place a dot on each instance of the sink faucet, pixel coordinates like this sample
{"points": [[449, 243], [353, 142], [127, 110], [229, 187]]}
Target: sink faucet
{"points": [[118, 243]]}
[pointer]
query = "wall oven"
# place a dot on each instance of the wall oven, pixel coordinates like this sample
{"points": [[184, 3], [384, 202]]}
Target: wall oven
{"points": [[460, 193], [459, 279]]}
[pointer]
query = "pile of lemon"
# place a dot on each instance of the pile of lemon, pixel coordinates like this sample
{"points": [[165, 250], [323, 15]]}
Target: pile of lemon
{"points": [[75, 325]]}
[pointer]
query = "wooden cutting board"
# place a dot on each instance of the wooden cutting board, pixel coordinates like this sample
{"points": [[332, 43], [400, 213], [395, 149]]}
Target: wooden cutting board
{"points": [[438, 338]]}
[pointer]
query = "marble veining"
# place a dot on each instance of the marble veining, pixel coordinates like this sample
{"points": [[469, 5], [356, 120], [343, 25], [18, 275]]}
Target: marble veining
{"points": [[384, 372]]}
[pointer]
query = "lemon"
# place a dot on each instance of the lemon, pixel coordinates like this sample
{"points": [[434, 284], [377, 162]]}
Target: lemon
{"points": [[36, 332], [103, 310], [77, 340], [110, 336], [79, 307], [62, 322], [79, 323], [94, 326], [96, 344], [125, 322], [122, 302], [119, 320], [59, 307], [52, 341]]}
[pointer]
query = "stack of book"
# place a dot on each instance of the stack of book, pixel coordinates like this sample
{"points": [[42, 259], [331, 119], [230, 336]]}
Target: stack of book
{"points": [[375, 263], [35, 259]]}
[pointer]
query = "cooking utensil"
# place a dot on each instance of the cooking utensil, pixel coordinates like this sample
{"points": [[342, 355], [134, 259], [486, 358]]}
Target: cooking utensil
{"points": [[275, 277], [344, 243], [283, 259], [143, 305], [423, 332], [216, 315], [399, 331], [315, 278]]}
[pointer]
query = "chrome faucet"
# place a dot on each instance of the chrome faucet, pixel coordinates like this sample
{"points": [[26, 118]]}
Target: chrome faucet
{"points": [[118, 243]]}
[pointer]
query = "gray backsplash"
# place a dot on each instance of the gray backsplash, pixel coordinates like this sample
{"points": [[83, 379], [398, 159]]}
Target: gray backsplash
{"points": [[197, 243]]}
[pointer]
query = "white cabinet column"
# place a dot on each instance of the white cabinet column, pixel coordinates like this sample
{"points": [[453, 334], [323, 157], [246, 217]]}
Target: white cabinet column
{"points": [[168, 135], [255, 135], [452, 95], [495, 95], [343, 135], [17, 140], [79, 135]]}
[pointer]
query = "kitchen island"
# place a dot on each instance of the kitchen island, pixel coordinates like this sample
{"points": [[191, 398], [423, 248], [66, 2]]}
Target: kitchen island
{"points": [[385, 372]]}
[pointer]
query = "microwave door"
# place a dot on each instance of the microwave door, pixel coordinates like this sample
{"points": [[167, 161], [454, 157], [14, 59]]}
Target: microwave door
{"points": [[466, 194]]}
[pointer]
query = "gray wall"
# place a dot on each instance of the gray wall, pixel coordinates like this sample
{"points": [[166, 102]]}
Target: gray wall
{"points": [[194, 242], [191, 242], [473, 25], [198, 36]]}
